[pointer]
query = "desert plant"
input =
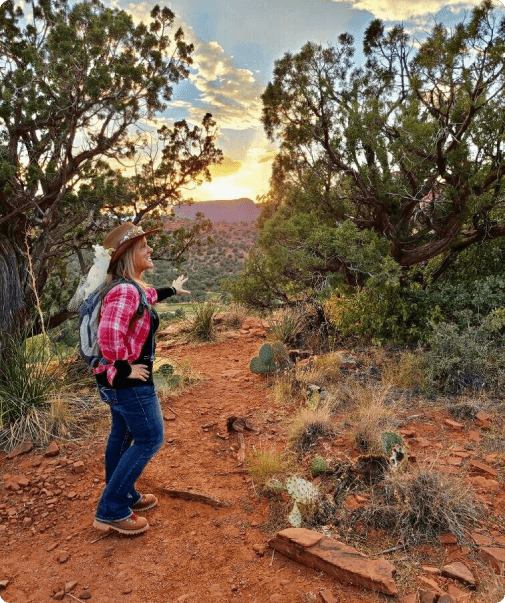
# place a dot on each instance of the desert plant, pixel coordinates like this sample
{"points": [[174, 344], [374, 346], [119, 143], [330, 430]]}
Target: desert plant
{"points": [[390, 439], [172, 379], [318, 466], [287, 326], [305, 496], [267, 468], [201, 321], [370, 416], [308, 426], [272, 357], [420, 506], [470, 355]]}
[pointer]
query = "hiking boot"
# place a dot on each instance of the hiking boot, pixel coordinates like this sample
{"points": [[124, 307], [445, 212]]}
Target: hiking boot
{"points": [[147, 501], [131, 525]]}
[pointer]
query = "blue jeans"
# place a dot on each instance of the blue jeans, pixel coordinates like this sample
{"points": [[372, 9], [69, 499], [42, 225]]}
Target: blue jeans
{"points": [[136, 435]]}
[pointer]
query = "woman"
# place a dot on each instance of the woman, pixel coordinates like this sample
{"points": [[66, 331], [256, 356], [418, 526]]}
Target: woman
{"points": [[126, 335]]}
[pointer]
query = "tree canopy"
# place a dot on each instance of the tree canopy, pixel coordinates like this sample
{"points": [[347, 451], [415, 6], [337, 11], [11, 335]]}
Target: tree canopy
{"points": [[386, 171], [79, 87]]}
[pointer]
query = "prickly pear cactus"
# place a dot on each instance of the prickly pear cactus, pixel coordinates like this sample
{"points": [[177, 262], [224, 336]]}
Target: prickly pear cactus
{"points": [[272, 357], [390, 439], [305, 496], [399, 456], [295, 518], [318, 466]]}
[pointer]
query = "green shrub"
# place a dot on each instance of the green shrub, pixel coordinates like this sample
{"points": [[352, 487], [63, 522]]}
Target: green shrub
{"points": [[201, 322], [471, 356], [318, 466]]}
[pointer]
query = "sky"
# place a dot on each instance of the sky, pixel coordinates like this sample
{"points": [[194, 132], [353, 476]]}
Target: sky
{"points": [[236, 45]]}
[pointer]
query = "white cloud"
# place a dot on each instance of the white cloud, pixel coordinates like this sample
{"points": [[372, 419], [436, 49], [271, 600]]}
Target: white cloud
{"points": [[393, 10]]}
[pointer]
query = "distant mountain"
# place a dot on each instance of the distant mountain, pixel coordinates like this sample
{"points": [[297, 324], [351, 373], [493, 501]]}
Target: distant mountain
{"points": [[233, 210]]}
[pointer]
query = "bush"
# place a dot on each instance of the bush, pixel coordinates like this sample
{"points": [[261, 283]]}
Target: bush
{"points": [[308, 426], [420, 506], [33, 403], [201, 322], [471, 356]]}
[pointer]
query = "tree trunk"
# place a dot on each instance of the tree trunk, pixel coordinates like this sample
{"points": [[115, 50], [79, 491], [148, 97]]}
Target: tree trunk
{"points": [[16, 297]]}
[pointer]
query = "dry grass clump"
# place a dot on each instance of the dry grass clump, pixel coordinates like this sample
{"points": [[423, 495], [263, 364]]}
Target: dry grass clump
{"points": [[370, 416], [464, 411], [308, 426], [265, 466], [418, 507], [288, 325], [403, 370], [235, 315], [201, 323], [285, 388]]}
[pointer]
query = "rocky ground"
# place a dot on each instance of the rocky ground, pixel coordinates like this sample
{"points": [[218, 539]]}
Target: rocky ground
{"points": [[196, 551]]}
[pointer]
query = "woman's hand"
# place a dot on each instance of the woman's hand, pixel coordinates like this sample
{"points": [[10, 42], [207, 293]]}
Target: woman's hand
{"points": [[178, 285], [139, 371]]}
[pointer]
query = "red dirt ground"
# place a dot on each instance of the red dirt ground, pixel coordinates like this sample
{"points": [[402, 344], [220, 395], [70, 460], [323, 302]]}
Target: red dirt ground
{"points": [[192, 552]]}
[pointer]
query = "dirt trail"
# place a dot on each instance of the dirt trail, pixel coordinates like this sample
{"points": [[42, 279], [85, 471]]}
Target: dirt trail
{"points": [[192, 552]]}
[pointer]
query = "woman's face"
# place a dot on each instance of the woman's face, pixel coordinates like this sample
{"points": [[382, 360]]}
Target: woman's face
{"points": [[142, 256]]}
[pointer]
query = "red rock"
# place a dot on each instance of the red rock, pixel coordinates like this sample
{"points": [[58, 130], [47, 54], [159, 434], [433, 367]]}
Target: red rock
{"points": [[85, 594], [52, 450], [473, 436], [430, 583], [500, 540], [59, 595], [463, 455], [454, 460], [481, 539], [23, 448], [408, 433], [460, 596], [63, 556], [494, 556], [448, 539], [484, 468], [422, 442], [412, 598], [79, 467], [483, 416], [69, 586], [338, 560], [328, 597], [459, 571], [428, 596], [488, 485], [453, 424], [446, 599], [430, 570]]}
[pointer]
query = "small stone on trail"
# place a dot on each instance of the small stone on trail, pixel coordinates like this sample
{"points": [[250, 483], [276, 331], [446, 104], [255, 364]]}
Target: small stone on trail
{"points": [[127, 591], [63, 556], [69, 586], [446, 599], [52, 450], [79, 467], [412, 598], [51, 547], [327, 596], [459, 571], [3, 584], [448, 539], [428, 596], [23, 448], [259, 549], [85, 594], [59, 595], [453, 424]]}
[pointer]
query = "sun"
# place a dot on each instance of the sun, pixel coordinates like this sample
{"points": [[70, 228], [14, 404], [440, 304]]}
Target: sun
{"points": [[224, 188]]}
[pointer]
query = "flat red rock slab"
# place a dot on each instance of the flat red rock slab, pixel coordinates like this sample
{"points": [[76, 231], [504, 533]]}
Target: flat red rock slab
{"points": [[336, 559]]}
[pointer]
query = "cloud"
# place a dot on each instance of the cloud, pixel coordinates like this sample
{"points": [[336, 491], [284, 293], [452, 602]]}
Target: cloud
{"points": [[225, 168], [393, 10]]}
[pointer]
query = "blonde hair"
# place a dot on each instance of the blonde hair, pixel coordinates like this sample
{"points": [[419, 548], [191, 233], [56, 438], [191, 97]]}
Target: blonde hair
{"points": [[124, 267]]}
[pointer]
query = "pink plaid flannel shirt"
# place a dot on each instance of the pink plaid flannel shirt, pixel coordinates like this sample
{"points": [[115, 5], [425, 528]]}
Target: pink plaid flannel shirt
{"points": [[116, 339]]}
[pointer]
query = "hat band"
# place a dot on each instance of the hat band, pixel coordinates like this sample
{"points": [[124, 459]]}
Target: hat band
{"points": [[133, 232]]}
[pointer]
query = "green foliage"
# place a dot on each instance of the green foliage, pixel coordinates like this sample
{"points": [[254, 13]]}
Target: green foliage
{"points": [[466, 356], [201, 321], [266, 467], [318, 466], [397, 220], [166, 377], [272, 357]]}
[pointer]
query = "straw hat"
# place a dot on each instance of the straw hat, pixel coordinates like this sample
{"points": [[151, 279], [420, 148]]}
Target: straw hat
{"points": [[123, 237]]}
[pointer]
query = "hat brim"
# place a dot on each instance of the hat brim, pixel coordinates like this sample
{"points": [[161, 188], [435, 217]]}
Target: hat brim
{"points": [[127, 244]]}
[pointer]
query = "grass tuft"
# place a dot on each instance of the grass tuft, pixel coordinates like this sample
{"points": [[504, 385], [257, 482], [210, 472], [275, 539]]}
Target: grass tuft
{"points": [[266, 466], [308, 426], [201, 322]]}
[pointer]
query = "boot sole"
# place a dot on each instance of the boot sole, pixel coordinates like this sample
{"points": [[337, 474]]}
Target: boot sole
{"points": [[105, 527]]}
